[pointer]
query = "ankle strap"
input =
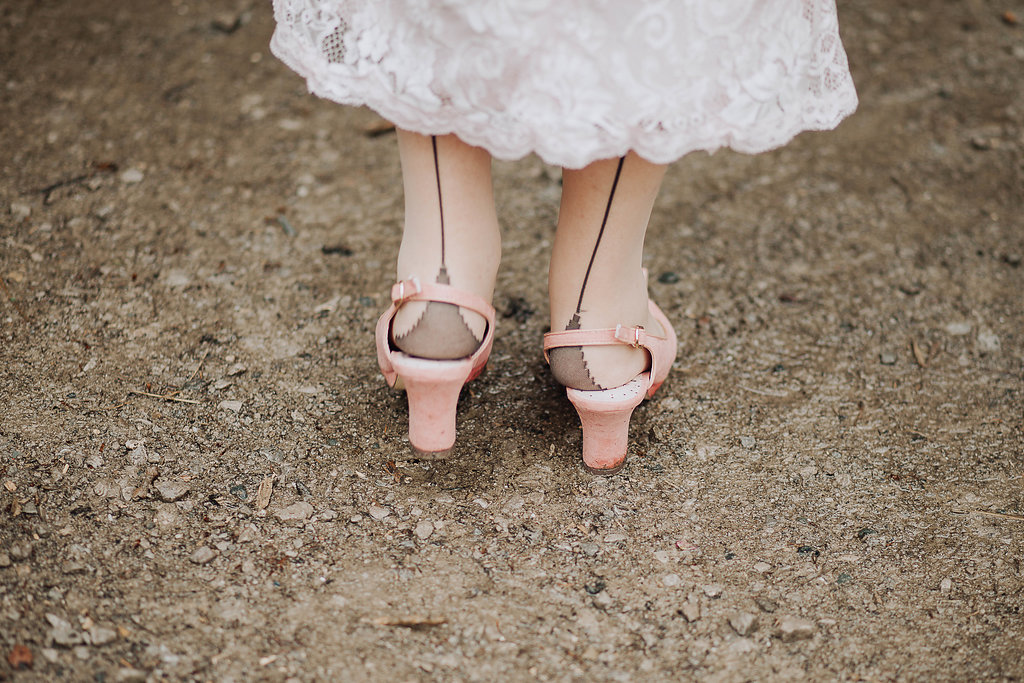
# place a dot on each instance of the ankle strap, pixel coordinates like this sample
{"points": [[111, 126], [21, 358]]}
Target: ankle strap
{"points": [[413, 290], [637, 337]]}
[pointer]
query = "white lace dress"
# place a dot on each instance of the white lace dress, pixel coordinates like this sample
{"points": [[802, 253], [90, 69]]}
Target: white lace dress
{"points": [[579, 80]]}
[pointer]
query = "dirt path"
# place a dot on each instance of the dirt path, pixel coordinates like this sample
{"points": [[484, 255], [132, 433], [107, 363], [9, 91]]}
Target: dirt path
{"points": [[828, 487]]}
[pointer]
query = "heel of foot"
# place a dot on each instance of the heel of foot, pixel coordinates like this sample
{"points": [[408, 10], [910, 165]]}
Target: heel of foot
{"points": [[440, 333], [569, 368]]}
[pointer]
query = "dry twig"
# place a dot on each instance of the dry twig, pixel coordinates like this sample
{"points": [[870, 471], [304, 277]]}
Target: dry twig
{"points": [[408, 622], [1004, 515], [169, 397]]}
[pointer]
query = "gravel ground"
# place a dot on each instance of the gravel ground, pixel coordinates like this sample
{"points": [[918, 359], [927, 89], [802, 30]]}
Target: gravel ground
{"points": [[203, 477]]}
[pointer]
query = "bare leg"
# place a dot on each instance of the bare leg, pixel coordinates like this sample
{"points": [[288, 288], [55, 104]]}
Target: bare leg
{"points": [[595, 280], [451, 237]]}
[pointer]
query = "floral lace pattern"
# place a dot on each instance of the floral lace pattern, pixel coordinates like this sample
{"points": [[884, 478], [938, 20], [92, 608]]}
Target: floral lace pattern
{"points": [[579, 80]]}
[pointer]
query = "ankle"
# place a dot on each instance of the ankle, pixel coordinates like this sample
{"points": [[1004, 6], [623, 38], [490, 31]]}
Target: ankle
{"points": [[437, 330]]}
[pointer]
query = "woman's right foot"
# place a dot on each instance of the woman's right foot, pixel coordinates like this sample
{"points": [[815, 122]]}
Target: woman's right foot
{"points": [[605, 413], [596, 278], [609, 345]]}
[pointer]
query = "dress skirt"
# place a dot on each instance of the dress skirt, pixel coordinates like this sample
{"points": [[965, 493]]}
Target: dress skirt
{"points": [[575, 81]]}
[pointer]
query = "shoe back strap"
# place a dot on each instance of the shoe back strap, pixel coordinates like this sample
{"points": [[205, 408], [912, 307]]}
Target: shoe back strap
{"points": [[636, 336], [413, 290]]}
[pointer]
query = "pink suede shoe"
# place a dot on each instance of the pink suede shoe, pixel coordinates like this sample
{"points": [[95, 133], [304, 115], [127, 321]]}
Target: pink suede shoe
{"points": [[605, 414], [432, 386]]}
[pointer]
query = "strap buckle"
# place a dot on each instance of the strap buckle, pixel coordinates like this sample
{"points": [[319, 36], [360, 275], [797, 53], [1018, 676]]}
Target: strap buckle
{"points": [[400, 291], [630, 335]]}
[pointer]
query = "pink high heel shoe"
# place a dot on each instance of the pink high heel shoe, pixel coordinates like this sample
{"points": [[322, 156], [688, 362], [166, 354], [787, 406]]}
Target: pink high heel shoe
{"points": [[605, 413], [432, 386]]}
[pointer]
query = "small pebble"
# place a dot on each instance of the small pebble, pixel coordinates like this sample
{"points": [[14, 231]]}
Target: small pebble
{"points": [[743, 623], [20, 657], [668, 278], [62, 632], [988, 341], [691, 609], [713, 590], [74, 567], [296, 512], [614, 538], [742, 646], [590, 549], [233, 406], [20, 551], [762, 567], [171, 491], [671, 580], [167, 516], [887, 358], [958, 329], [203, 555], [20, 211], [132, 176], [236, 370], [794, 628], [138, 455], [765, 605], [748, 441], [131, 676], [423, 530], [946, 585], [378, 512], [102, 636], [328, 515], [239, 491], [981, 143], [5, 560]]}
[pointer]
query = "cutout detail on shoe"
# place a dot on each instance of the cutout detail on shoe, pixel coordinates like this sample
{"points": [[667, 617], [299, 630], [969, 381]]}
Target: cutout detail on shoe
{"points": [[568, 365], [440, 333]]}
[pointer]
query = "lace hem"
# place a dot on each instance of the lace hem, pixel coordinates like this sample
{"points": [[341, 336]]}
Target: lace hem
{"points": [[575, 82]]}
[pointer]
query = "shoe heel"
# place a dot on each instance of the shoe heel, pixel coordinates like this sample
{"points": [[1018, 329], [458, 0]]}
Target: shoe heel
{"points": [[605, 418], [432, 389]]}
